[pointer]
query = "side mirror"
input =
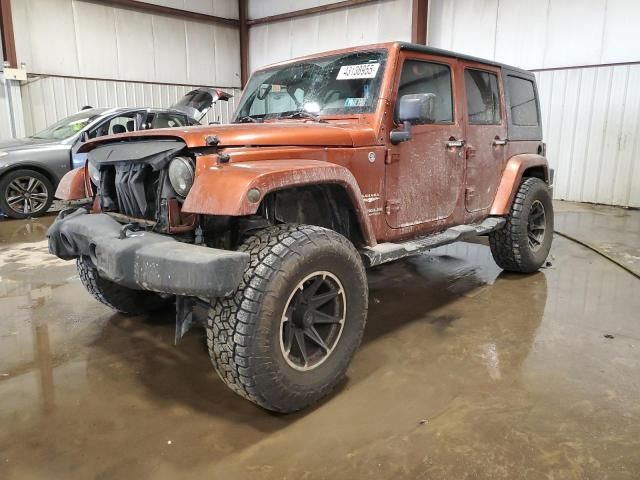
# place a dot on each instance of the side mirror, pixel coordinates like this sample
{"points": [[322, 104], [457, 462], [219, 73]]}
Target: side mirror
{"points": [[84, 136], [414, 109]]}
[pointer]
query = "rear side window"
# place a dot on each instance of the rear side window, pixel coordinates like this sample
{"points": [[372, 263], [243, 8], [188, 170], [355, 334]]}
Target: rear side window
{"points": [[483, 97], [168, 120], [426, 77], [524, 108]]}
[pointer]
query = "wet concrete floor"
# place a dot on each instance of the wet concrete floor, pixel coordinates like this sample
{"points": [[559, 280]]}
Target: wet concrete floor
{"points": [[465, 372]]}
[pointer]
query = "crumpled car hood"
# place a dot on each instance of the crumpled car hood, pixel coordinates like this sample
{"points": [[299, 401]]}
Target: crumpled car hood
{"points": [[260, 134]]}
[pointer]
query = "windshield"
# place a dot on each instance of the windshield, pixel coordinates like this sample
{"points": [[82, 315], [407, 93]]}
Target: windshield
{"points": [[69, 126], [336, 85]]}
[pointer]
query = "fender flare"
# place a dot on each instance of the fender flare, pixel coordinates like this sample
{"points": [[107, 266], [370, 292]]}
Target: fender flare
{"points": [[511, 178], [73, 185], [223, 189]]}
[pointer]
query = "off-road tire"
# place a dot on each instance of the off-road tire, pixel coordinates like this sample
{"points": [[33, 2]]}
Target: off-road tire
{"points": [[6, 180], [121, 299], [244, 330], [510, 245]]}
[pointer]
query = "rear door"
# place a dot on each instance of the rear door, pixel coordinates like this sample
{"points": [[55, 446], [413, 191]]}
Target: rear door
{"points": [[424, 175], [486, 133]]}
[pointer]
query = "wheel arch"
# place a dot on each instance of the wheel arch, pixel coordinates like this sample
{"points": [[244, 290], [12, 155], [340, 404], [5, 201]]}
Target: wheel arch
{"points": [[243, 188], [517, 168], [324, 205]]}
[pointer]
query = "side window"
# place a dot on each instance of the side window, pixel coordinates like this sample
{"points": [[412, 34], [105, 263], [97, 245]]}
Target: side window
{"points": [[122, 124], [483, 97], [425, 77], [168, 120], [118, 124], [522, 97]]}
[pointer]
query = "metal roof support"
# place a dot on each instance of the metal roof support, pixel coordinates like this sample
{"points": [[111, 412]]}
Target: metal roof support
{"points": [[419, 12]]}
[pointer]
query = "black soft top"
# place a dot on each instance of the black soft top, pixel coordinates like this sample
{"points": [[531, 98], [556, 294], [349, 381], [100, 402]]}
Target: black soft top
{"points": [[448, 53]]}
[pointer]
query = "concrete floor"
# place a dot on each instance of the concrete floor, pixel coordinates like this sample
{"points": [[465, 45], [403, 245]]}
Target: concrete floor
{"points": [[465, 373]]}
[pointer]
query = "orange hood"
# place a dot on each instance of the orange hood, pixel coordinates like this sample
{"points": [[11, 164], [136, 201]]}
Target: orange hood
{"points": [[260, 134]]}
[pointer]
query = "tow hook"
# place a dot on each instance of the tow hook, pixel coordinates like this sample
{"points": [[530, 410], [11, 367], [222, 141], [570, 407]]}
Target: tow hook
{"points": [[129, 227]]}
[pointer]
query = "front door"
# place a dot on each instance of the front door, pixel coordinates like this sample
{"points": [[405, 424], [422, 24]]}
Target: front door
{"points": [[424, 175], [485, 135]]}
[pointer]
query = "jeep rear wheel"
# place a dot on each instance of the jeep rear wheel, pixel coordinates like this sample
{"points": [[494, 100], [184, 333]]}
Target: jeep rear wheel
{"points": [[286, 337], [121, 299], [523, 244]]}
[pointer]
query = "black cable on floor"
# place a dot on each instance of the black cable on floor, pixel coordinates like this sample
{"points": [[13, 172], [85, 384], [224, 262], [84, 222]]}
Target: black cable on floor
{"points": [[599, 252]]}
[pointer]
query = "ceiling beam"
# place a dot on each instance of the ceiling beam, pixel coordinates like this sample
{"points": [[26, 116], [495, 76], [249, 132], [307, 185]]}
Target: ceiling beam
{"points": [[173, 12], [244, 42], [308, 11], [419, 12], [8, 40]]}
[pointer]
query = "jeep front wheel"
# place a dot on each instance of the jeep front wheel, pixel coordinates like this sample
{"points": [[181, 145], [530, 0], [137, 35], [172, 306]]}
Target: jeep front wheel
{"points": [[286, 337], [523, 244]]}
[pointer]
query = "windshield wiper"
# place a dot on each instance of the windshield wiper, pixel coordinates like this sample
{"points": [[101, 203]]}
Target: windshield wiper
{"points": [[302, 114], [248, 119]]}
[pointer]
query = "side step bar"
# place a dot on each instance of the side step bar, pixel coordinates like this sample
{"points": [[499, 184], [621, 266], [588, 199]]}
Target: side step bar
{"points": [[388, 252]]}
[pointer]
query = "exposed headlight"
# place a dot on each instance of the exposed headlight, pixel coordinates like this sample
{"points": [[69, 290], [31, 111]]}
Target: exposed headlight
{"points": [[181, 175], [94, 174], [4, 154]]}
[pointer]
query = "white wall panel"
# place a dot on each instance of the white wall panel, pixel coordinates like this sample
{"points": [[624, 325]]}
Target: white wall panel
{"points": [[592, 127], [11, 117], [134, 37], [621, 33], [538, 34], [220, 8], [382, 21], [86, 39], [590, 115], [267, 8], [48, 99], [574, 42], [96, 34]]}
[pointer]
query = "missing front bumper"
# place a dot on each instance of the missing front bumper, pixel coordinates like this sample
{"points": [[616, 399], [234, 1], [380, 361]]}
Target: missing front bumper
{"points": [[145, 260]]}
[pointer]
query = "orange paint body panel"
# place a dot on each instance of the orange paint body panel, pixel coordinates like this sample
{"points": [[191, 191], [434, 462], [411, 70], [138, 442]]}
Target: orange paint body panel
{"points": [[73, 185], [511, 177], [223, 189]]}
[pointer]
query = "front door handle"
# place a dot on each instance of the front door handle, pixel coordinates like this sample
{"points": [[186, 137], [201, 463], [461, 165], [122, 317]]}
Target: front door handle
{"points": [[497, 142], [455, 143]]}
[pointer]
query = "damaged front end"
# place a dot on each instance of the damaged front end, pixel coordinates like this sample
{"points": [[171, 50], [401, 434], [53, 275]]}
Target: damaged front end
{"points": [[137, 236]]}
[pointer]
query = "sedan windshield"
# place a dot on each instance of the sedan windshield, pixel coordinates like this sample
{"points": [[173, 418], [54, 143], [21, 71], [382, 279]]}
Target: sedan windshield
{"points": [[336, 85], [69, 126]]}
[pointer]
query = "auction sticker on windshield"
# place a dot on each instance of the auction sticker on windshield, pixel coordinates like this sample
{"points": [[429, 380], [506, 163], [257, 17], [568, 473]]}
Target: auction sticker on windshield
{"points": [[364, 70]]}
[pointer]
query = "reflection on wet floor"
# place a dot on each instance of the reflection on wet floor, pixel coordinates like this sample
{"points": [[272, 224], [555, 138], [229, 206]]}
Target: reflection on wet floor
{"points": [[464, 372]]}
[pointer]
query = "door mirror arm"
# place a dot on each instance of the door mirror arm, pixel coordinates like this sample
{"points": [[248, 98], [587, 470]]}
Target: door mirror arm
{"points": [[416, 108], [401, 134]]}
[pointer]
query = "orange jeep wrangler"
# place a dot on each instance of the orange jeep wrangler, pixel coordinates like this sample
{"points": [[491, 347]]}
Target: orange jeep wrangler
{"points": [[333, 163]]}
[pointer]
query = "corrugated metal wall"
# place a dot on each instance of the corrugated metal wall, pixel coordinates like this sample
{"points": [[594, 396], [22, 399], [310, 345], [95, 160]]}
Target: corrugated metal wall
{"points": [[382, 21], [47, 99], [85, 53], [220, 8], [591, 116], [592, 127], [11, 121], [86, 39]]}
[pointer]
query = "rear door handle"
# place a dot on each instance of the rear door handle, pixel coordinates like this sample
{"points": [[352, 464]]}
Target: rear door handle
{"points": [[498, 142], [455, 143]]}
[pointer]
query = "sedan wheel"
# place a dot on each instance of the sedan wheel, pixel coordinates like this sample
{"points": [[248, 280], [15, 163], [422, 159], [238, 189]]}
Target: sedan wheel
{"points": [[25, 193]]}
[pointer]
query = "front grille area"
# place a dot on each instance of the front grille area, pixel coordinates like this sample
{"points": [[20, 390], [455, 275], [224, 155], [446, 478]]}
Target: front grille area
{"points": [[130, 188]]}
